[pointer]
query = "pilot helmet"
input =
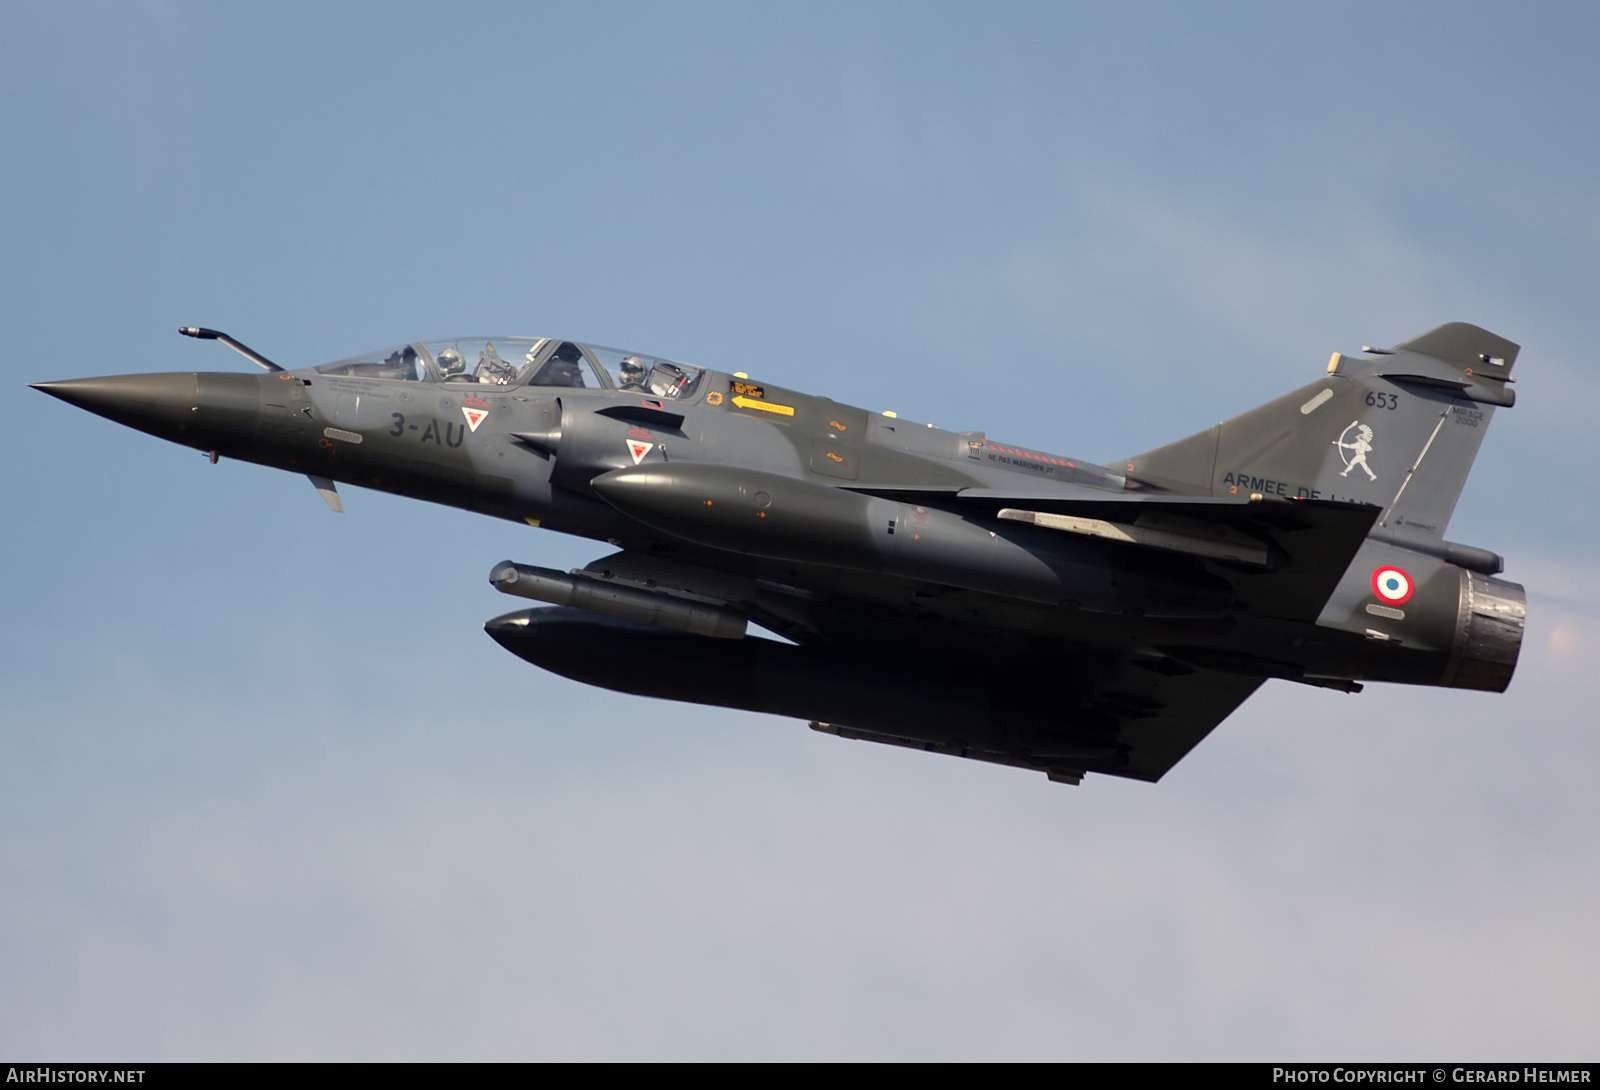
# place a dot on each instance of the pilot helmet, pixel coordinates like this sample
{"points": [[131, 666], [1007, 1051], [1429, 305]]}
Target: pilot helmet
{"points": [[632, 368], [451, 363]]}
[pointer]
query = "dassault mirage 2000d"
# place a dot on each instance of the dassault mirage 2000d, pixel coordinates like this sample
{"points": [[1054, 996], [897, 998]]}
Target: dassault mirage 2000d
{"points": [[942, 591]]}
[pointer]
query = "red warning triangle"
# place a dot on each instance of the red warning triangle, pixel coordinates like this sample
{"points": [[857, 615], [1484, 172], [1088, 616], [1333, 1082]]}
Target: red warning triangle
{"points": [[474, 416], [638, 449]]}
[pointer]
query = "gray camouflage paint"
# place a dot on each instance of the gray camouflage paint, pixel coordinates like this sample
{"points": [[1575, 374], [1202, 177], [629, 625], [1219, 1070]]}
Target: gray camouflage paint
{"points": [[921, 617]]}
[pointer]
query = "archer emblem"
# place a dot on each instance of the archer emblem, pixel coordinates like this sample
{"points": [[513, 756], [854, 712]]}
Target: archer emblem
{"points": [[1358, 449]]}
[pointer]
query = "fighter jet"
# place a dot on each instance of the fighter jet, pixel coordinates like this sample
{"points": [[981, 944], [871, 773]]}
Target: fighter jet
{"points": [[938, 590]]}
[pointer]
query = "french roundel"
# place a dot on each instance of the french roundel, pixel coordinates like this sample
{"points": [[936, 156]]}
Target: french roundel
{"points": [[1392, 585]]}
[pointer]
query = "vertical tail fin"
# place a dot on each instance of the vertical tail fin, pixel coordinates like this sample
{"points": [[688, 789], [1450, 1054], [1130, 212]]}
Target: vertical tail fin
{"points": [[1398, 430]]}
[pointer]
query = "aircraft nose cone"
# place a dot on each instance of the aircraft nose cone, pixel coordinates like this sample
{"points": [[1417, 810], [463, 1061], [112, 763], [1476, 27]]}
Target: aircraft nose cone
{"points": [[194, 409], [130, 398], [164, 405]]}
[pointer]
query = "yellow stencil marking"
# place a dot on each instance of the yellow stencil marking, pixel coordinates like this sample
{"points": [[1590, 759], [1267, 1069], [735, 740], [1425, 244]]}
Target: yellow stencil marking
{"points": [[764, 406]]}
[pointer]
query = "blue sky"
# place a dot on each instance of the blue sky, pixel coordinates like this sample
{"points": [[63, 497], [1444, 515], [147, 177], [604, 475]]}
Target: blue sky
{"points": [[266, 789]]}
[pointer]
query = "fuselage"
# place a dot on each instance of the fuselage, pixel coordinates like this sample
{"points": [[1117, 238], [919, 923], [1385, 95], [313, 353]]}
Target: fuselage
{"points": [[846, 508]]}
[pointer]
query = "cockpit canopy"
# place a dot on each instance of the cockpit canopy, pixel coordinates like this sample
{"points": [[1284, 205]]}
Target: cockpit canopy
{"points": [[523, 361]]}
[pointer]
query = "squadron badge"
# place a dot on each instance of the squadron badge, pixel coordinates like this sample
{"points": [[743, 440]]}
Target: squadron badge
{"points": [[1358, 448], [474, 409]]}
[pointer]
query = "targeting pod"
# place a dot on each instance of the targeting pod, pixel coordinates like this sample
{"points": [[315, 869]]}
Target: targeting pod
{"points": [[629, 603]]}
